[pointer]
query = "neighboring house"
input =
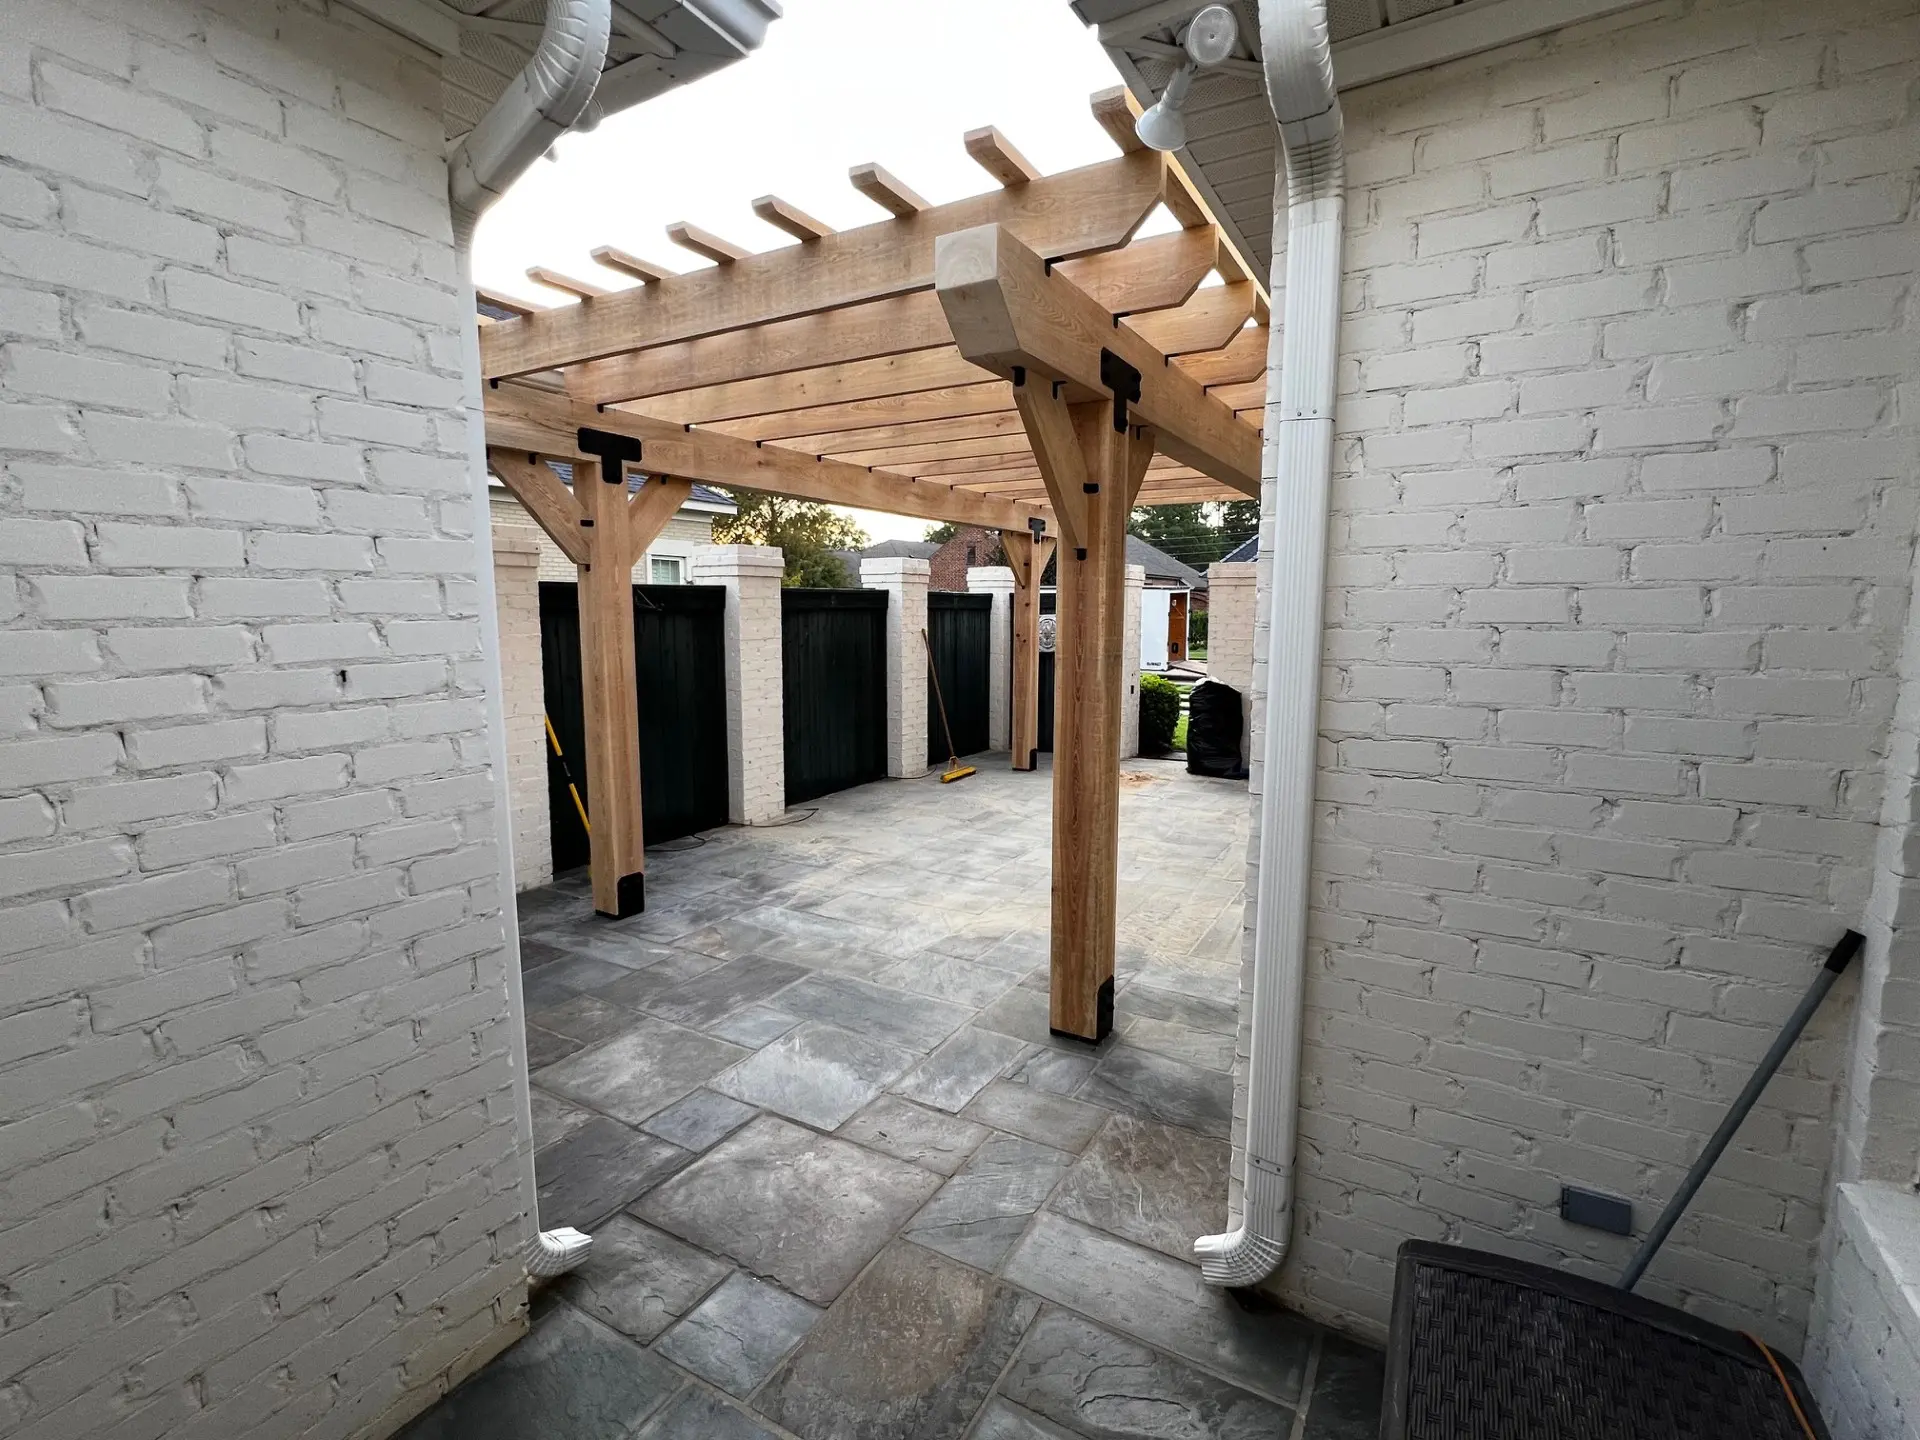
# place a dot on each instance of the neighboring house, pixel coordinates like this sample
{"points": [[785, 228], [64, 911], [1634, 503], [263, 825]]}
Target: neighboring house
{"points": [[1247, 551], [1173, 590], [1615, 733], [667, 560], [884, 550], [266, 1156], [970, 545]]}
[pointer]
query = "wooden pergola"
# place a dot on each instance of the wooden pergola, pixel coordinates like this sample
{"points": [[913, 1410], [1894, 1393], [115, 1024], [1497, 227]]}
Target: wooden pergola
{"points": [[1015, 360]]}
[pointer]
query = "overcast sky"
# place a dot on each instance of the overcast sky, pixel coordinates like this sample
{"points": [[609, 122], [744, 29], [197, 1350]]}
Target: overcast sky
{"points": [[837, 83]]}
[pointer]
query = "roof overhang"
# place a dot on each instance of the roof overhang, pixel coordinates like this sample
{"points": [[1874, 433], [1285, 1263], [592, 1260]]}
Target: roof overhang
{"points": [[1233, 147], [656, 46]]}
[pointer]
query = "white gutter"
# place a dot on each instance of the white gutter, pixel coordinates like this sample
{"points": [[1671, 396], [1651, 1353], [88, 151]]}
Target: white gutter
{"points": [[541, 104], [1299, 431], [550, 94]]}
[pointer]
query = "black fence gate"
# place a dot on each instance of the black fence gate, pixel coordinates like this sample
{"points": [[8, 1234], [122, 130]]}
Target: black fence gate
{"points": [[834, 689], [959, 628], [679, 639]]}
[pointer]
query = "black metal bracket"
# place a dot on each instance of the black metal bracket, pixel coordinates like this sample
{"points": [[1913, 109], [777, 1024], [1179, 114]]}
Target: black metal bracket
{"points": [[1124, 381], [615, 453], [1036, 526], [1019, 377]]}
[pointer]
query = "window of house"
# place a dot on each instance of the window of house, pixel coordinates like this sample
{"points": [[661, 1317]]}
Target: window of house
{"points": [[667, 570]]}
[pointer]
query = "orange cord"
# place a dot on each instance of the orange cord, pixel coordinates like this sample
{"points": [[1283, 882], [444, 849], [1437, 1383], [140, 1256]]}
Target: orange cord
{"points": [[1781, 1376]]}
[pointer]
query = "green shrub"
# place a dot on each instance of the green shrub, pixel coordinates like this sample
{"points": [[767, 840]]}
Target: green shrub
{"points": [[1159, 713], [1197, 630]]}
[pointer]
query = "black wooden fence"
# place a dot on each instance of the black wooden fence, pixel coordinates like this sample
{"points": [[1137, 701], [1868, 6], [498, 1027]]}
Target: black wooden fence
{"points": [[959, 629], [834, 678], [1047, 599], [680, 666]]}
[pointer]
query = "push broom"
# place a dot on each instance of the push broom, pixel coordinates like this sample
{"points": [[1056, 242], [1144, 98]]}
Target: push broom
{"points": [[955, 770]]}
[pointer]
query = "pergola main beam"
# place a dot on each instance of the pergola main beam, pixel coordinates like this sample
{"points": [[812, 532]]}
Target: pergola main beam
{"points": [[521, 418], [1097, 207], [1010, 315]]}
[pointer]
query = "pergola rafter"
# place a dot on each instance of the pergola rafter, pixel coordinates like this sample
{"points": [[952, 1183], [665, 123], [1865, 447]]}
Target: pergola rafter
{"points": [[1016, 360]]}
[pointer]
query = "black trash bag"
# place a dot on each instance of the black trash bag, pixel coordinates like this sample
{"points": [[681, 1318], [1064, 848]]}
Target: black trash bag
{"points": [[1213, 731]]}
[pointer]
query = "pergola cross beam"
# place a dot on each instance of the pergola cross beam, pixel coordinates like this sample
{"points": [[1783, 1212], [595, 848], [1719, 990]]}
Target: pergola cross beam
{"points": [[520, 417], [1010, 314], [1075, 213]]}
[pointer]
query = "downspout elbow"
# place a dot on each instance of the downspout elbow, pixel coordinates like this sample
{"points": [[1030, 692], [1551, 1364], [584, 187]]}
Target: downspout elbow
{"points": [[544, 101], [1299, 433]]}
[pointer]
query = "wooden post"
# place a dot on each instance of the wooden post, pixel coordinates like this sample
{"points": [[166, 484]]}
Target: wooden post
{"points": [[618, 856], [1027, 557], [1094, 461], [605, 532]]}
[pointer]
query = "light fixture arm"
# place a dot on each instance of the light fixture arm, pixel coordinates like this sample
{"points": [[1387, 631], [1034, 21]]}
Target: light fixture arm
{"points": [[1209, 40]]}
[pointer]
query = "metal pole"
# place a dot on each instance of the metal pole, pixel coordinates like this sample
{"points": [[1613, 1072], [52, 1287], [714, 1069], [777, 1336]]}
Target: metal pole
{"points": [[1837, 961]]}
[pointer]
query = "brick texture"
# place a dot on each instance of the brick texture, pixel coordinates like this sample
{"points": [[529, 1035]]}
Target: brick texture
{"points": [[258, 1140], [516, 569], [1624, 510], [997, 581], [754, 647], [1230, 609], [905, 582], [1863, 1357], [1136, 581]]}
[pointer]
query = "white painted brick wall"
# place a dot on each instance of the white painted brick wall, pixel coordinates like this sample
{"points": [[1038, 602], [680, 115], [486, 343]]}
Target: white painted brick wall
{"points": [[257, 1136], [1136, 581], [516, 584], [997, 581], [754, 647], [1624, 508], [1863, 1356], [1230, 610], [1880, 1130], [905, 582]]}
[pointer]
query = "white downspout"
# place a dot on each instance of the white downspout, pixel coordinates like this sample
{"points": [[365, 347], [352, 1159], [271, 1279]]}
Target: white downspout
{"points": [[1299, 430], [542, 104]]}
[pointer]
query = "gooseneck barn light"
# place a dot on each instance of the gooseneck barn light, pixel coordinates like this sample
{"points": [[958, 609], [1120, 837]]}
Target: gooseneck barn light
{"points": [[1210, 38]]}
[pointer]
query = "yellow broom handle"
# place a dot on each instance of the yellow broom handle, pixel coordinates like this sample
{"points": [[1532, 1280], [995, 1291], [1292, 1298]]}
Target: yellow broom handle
{"points": [[572, 789]]}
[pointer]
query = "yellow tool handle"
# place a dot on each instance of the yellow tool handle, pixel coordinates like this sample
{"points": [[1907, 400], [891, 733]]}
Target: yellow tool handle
{"points": [[572, 789]]}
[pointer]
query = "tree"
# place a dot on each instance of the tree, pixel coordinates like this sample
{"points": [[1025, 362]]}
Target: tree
{"points": [[1200, 533], [1239, 523], [808, 534], [943, 532]]}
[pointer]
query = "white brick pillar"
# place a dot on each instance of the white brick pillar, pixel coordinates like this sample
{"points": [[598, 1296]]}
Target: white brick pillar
{"points": [[1130, 665], [756, 717], [997, 581], [905, 582], [1230, 611], [516, 585]]}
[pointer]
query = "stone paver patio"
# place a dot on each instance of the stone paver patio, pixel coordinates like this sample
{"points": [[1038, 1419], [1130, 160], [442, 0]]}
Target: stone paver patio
{"points": [[846, 1186]]}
